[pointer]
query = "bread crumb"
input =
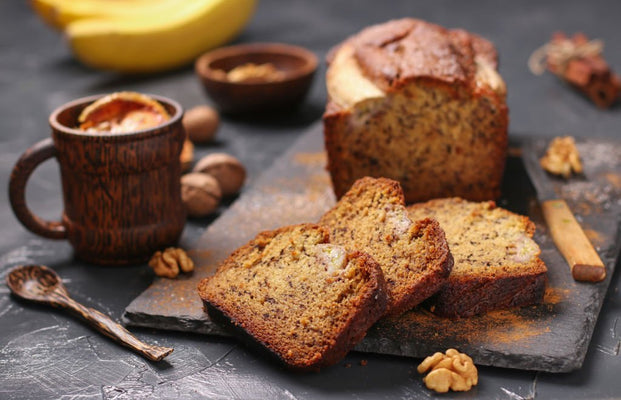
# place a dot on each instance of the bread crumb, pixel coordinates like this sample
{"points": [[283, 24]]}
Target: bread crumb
{"points": [[364, 363]]}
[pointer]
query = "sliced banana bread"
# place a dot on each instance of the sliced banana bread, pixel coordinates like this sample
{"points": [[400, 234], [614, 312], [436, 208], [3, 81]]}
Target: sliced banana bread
{"points": [[497, 262], [307, 301], [414, 256]]}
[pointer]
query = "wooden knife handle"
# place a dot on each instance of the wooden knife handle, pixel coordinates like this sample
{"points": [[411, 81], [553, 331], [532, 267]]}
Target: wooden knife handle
{"points": [[570, 239]]}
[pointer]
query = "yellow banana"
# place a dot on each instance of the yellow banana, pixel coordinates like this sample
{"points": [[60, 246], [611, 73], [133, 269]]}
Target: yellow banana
{"points": [[60, 13], [159, 42]]}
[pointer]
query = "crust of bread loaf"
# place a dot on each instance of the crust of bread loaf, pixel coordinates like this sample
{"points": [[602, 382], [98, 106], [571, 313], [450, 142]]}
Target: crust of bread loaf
{"points": [[467, 296], [355, 150], [393, 53], [366, 311], [499, 287]]}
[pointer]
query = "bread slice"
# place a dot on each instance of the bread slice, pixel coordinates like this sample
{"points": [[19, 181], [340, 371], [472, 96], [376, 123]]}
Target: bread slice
{"points": [[307, 301], [418, 103], [497, 262], [414, 256]]}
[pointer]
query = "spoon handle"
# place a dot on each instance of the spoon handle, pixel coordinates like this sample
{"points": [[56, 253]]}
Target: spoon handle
{"points": [[115, 331]]}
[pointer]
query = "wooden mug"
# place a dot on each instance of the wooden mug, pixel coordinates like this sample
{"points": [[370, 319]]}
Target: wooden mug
{"points": [[122, 192]]}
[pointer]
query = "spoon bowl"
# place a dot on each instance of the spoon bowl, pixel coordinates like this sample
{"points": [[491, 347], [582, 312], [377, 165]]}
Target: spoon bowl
{"points": [[35, 282]]}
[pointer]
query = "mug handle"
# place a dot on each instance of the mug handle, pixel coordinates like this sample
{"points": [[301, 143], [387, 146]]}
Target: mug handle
{"points": [[22, 170]]}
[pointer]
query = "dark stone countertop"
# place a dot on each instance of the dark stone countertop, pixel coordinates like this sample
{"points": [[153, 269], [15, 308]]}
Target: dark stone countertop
{"points": [[45, 353]]}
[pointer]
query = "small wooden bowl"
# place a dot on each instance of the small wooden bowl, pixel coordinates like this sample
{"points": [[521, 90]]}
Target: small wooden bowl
{"points": [[297, 64]]}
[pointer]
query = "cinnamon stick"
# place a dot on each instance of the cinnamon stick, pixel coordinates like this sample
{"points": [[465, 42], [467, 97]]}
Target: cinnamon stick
{"points": [[579, 61]]}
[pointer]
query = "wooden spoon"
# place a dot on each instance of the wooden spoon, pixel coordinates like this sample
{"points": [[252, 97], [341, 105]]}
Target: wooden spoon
{"points": [[41, 284]]}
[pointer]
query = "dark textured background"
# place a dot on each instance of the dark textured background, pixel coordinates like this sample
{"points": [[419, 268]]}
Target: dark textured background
{"points": [[47, 354]]}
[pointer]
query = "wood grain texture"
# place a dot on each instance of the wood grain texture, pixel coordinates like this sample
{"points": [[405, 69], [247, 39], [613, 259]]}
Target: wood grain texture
{"points": [[297, 63], [115, 331], [122, 193], [41, 284], [24, 167], [568, 236]]}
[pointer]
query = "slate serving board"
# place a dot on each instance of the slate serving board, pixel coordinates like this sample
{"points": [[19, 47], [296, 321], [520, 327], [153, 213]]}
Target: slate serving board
{"points": [[553, 336]]}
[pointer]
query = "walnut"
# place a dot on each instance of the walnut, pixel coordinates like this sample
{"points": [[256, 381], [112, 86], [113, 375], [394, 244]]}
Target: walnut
{"points": [[201, 123], [227, 169], [170, 261], [562, 157], [200, 193], [452, 370]]}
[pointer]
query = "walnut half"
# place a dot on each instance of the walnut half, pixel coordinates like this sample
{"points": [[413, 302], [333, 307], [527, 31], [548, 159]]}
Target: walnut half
{"points": [[562, 157], [170, 261], [452, 370]]}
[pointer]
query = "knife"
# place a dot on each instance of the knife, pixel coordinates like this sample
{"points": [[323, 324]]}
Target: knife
{"points": [[570, 239]]}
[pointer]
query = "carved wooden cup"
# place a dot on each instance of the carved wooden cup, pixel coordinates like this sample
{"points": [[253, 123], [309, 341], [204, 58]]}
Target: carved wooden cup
{"points": [[122, 192]]}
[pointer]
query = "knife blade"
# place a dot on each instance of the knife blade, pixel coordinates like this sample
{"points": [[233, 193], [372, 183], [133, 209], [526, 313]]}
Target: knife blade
{"points": [[566, 232]]}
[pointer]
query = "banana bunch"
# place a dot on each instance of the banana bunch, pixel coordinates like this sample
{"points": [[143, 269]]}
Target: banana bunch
{"points": [[137, 36]]}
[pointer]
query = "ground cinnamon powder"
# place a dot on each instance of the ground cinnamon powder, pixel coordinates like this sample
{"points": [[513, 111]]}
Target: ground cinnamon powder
{"points": [[502, 326], [496, 328], [288, 200], [311, 159]]}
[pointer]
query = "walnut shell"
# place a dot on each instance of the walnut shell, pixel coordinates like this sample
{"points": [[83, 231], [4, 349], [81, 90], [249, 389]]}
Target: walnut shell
{"points": [[200, 193], [228, 170], [201, 123]]}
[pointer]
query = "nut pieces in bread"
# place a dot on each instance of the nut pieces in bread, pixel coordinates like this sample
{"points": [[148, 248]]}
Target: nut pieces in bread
{"points": [[304, 299], [228, 170], [497, 262], [200, 193]]}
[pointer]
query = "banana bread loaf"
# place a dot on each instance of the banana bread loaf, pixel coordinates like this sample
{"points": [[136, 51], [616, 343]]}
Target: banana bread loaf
{"points": [[497, 263], [414, 256], [307, 301], [414, 102]]}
